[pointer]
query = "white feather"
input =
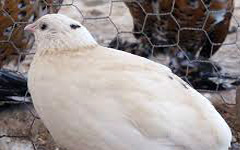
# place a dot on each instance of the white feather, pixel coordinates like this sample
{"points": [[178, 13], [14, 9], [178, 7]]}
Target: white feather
{"points": [[96, 98], [218, 15]]}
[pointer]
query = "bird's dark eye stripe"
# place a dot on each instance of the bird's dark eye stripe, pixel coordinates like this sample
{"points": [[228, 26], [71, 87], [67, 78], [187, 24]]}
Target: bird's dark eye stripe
{"points": [[75, 26], [43, 26]]}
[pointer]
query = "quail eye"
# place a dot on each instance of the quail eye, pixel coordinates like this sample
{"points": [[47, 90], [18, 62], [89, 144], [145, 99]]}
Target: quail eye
{"points": [[75, 26], [43, 27]]}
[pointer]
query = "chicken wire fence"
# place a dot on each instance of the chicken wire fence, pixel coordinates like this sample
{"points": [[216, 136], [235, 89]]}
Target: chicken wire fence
{"points": [[219, 82]]}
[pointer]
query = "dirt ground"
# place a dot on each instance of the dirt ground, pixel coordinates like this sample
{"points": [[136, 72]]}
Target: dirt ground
{"points": [[20, 130]]}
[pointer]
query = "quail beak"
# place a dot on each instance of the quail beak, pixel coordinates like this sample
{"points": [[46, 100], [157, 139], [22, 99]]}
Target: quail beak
{"points": [[30, 28]]}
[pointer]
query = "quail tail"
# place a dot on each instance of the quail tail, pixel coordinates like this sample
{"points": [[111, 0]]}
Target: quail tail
{"points": [[13, 88]]}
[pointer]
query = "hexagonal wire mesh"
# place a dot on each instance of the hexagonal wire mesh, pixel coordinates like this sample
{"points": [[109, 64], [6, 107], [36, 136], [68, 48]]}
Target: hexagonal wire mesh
{"points": [[111, 22]]}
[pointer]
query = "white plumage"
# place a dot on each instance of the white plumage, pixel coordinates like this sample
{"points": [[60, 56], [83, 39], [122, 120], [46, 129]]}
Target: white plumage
{"points": [[96, 98]]}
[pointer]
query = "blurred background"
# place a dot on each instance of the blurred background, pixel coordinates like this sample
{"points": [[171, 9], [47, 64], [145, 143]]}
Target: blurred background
{"points": [[198, 40]]}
